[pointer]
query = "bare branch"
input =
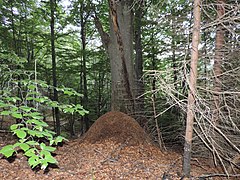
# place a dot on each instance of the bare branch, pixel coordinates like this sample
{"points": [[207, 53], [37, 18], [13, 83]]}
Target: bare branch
{"points": [[104, 36]]}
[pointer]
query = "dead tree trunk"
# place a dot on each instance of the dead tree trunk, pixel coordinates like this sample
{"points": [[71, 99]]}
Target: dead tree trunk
{"points": [[192, 90], [217, 69]]}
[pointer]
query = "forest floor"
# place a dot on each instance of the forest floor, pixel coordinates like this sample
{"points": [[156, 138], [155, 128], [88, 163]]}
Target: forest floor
{"points": [[115, 147]]}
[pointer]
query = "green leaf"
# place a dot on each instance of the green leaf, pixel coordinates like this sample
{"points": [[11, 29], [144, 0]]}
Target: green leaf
{"points": [[49, 148], [21, 134], [3, 105], [42, 146], [26, 108], [38, 117], [24, 146], [30, 152], [17, 115], [78, 94], [51, 142], [59, 139], [16, 145], [43, 84], [68, 110], [39, 129], [52, 132], [14, 127], [47, 134], [31, 87], [59, 89], [29, 98], [46, 148], [45, 153], [53, 104], [4, 113], [7, 151], [34, 115], [41, 100], [33, 161], [38, 134], [40, 123], [13, 99], [69, 93], [51, 159], [82, 112], [32, 143], [33, 93], [14, 109], [24, 129], [32, 132]]}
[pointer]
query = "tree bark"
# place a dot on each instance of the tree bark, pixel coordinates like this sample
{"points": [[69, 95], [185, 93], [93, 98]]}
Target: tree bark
{"points": [[83, 69], [217, 69], [192, 90], [173, 46], [54, 73], [119, 47]]}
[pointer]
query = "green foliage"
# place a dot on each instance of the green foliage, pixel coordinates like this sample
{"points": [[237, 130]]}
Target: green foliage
{"points": [[34, 138]]}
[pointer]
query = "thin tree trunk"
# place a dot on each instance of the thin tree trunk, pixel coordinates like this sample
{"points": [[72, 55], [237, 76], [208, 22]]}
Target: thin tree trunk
{"points": [[175, 109], [84, 14], [54, 73], [204, 39], [84, 73], [14, 44], [72, 129], [139, 67], [101, 85], [153, 66], [15, 49], [173, 46], [192, 90], [219, 54]]}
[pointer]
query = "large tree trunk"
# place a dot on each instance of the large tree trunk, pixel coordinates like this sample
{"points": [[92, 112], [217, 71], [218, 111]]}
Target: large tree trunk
{"points": [[54, 73], [192, 90], [120, 51], [119, 46]]}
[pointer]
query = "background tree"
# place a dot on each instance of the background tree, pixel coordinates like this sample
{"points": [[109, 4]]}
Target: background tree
{"points": [[139, 115], [54, 72]]}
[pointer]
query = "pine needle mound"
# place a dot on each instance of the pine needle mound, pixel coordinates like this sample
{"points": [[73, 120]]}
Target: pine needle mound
{"points": [[118, 127]]}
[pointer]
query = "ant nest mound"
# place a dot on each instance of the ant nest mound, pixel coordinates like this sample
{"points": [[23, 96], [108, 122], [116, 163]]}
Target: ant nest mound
{"points": [[117, 127]]}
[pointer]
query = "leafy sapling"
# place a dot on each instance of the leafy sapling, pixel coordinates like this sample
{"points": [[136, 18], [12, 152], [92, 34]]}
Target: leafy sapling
{"points": [[34, 138]]}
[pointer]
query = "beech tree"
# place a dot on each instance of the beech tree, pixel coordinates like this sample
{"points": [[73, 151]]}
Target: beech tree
{"points": [[119, 47]]}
